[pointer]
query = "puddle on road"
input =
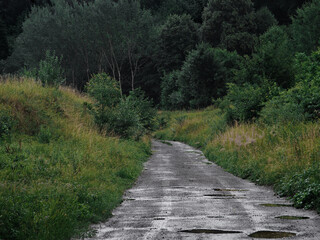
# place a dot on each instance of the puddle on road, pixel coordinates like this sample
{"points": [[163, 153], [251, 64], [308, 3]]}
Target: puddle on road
{"points": [[218, 195], [292, 217], [209, 231], [229, 190], [271, 234], [275, 205]]}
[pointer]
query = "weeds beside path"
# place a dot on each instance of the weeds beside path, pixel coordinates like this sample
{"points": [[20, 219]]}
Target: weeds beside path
{"points": [[58, 174]]}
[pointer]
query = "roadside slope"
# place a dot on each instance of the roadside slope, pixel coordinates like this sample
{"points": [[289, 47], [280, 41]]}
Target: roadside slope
{"points": [[57, 172], [284, 156]]}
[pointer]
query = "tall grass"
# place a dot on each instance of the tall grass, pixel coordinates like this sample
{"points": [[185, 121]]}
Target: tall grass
{"points": [[286, 156], [57, 172]]}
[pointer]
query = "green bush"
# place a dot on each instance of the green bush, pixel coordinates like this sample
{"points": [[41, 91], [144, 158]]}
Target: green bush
{"points": [[44, 135], [282, 109], [127, 117], [244, 102], [105, 90], [171, 97], [302, 102], [6, 124], [144, 109], [303, 188], [50, 71], [273, 60], [125, 121]]}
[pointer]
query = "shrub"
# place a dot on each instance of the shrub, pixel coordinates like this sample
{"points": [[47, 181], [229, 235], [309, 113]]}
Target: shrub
{"points": [[303, 188], [6, 124], [106, 92], [171, 98], [272, 60], [128, 117], [50, 71], [44, 135], [125, 120], [244, 102], [143, 107], [302, 102]]}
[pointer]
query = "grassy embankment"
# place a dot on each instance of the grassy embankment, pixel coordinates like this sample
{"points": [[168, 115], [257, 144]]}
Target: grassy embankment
{"points": [[284, 156], [57, 173]]}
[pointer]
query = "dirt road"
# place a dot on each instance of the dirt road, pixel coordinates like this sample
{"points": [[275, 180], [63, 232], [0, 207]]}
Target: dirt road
{"points": [[181, 195]]}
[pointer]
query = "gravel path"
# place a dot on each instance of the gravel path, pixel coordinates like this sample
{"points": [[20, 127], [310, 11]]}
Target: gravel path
{"points": [[181, 195]]}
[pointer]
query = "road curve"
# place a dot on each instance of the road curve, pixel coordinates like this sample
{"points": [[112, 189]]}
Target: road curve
{"points": [[181, 195]]}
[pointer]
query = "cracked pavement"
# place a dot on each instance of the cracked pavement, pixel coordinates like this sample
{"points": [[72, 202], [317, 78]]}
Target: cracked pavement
{"points": [[181, 195]]}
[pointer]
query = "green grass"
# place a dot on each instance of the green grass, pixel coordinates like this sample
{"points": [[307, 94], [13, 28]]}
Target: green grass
{"points": [[284, 156], [58, 174]]}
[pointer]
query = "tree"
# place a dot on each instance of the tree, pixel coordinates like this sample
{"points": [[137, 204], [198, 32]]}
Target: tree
{"points": [[92, 37], [204, 75], [178, 36], [272, 60], [230, 24], [305, 27], [264, 20], [4, 47], [282, 9], [163, 9]]}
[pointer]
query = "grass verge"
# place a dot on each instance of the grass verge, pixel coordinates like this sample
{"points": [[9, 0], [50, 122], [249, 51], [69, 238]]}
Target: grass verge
{"points": [[58, 174], [285, 156]]}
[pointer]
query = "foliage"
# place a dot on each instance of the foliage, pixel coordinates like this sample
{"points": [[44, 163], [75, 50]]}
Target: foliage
{"points": [[171, 97], [244, 102], [302, 101], [230, 24], [98, 36], [4, 47], [163, 9], [6, 124], [127, 117], [104, 90], [144, 108], [282, 109], [273, 59], [204, 75], [303, 188], [178, 36], [124, 120], [264, 20], [305, 33], [50, 71], [282, 9], [57, 181]]}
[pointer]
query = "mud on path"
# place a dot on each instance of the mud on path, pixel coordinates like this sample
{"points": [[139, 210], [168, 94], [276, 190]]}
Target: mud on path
{"points": [[181, 195]]}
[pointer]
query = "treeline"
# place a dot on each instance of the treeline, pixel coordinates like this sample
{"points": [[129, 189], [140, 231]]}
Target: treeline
{"points": [[183, 54]]}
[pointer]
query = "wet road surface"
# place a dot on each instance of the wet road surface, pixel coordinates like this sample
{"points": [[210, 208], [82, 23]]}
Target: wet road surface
{"points": [[181, 195]]}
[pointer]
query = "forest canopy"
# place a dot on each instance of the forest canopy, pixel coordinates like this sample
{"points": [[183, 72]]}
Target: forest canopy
{"points": [[183, 54]]}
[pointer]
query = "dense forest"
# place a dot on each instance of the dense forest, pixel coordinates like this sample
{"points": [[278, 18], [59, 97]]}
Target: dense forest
{"points": [[183, 54], [246, 71]]}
